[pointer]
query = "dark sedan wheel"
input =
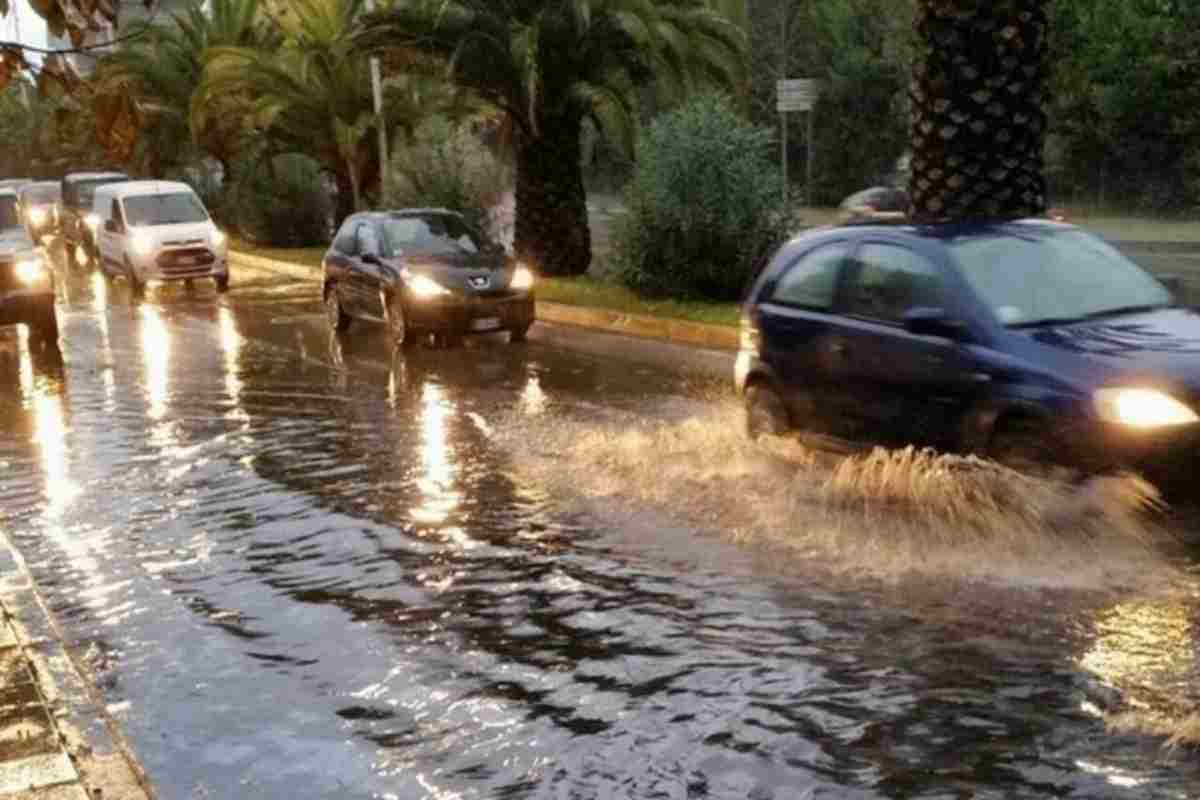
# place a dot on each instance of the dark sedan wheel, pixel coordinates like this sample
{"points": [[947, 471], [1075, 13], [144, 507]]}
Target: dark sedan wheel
{"points": [[337, 317], [397, 322], [222, 282], [1028, 446], [519, 334], [766, 413]]}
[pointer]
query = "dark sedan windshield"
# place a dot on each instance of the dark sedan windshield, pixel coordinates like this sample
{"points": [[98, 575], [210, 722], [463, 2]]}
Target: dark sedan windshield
{"points": [[1038, 276], [164, 209], [79, 194], [434, 234]]}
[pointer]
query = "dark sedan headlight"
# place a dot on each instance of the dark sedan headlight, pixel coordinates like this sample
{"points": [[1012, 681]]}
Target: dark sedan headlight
{"points": [[31, 271], [423, 287], [522, 278], [1141, 408], [38, 216]]}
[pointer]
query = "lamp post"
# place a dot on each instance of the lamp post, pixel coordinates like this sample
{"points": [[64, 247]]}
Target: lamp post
{"points": [[381, 129]]}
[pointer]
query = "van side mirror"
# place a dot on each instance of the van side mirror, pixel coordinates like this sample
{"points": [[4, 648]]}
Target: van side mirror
{"points": [[933, 322], [1174, 285]]}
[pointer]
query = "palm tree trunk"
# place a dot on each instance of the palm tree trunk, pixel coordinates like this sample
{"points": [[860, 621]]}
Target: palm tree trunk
{"points": [[979, 120], [345, 202], [552, 221]]}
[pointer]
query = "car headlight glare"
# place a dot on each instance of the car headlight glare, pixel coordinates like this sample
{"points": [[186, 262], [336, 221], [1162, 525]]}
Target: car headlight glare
{"points": [[1142, 408], [423, 287], [92, 221], [522, 278], [30, 271], [218, 238], [37, 216], [141, 243]]}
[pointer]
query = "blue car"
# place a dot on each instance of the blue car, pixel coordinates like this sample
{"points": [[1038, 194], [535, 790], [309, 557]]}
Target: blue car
{"points": [[1026, 341]]}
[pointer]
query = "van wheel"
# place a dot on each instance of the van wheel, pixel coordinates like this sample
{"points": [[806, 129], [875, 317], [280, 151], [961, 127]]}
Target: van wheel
{"points": [[222, 282], [335, 315], [766, 413], [520, 333], [44, 325], [136, 285]]}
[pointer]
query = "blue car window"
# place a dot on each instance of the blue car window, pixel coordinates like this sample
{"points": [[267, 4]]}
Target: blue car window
{"points": [[812, 280], [890, 281]]}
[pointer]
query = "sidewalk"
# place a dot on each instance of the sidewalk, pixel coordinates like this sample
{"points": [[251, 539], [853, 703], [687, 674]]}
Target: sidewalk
{"points": [[57, 741]]}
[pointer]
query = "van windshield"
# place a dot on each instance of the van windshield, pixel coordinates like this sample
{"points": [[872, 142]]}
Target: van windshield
{"points": [[79, 194], [179, 208], [9, 218]]}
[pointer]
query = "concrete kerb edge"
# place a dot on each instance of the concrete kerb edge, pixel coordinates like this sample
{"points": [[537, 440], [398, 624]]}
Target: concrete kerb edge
{"points": [[84, 675], [696, 334]]}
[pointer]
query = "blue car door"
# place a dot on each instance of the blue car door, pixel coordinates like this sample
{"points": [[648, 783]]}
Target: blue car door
{"points": [[795, 317], [903, 387]]}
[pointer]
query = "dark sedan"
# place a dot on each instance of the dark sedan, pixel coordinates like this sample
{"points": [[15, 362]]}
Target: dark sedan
{"points": [[1026, 341], [26, 280], [424, 272]]}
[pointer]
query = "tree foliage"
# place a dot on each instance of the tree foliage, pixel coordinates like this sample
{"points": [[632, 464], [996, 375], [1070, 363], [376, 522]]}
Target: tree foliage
{"points": [[704, 205], [546, 66]]}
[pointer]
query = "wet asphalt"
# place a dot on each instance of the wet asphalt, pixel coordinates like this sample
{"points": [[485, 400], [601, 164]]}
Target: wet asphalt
{"points": [[304, 566]]}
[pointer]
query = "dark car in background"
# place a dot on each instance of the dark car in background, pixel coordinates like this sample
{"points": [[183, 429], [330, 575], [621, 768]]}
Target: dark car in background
{"points": [[424, 272], [38, 204], [1027, 341], [26, 280], [76, 221]]}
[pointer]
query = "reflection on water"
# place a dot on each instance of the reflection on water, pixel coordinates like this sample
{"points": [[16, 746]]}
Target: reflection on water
{"points": [[100, 309], [533, 398], [156, 359], [231, 346], [44, 396], [436, 479], [1141, 643]]}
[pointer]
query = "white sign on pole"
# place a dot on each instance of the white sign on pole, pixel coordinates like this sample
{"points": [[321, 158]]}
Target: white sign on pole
{"points": [[796, 95]]}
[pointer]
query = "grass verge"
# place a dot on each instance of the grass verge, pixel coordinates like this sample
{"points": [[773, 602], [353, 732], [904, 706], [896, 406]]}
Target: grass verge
{"points": [[583, 291]]}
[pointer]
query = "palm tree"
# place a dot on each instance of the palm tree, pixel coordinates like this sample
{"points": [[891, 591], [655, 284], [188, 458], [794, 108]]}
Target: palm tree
{"points": [[978, 100], [162, 69], [312, 95], [548, 65]]}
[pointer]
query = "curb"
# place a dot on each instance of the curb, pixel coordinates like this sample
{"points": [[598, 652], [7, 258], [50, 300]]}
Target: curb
{"points": [[67, 745], [695, 334]]}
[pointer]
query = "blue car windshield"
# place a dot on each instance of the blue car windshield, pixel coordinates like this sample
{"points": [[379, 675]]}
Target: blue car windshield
{"points": [[1053, 275]]}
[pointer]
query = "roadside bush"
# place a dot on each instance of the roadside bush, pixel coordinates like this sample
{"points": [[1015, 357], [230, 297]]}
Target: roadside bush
{"points": [[284, 203], [704, 204], [447, 166]]}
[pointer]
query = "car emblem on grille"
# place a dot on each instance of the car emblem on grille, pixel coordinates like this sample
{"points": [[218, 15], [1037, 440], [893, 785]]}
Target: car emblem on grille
{"points": [[480, 283]]}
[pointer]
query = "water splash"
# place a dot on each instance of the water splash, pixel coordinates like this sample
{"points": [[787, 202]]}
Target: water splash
{"points": [[883, 513]]}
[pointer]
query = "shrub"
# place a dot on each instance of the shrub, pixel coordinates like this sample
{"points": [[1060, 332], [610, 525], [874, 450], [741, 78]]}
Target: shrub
{"points": [[704, 205], [447, 166], [284, 203]]}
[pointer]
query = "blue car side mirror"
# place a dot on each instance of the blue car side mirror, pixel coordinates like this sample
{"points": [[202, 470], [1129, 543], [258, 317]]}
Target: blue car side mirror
{"points": [[1174, 285], [933, 322]]}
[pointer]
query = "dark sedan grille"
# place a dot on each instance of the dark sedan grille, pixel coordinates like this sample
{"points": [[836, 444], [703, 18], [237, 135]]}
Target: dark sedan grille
{"points": [[185, 260]]}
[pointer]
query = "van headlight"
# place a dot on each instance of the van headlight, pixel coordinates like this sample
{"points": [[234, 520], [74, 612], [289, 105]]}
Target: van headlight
{"points": [[522, 278], [1141, 408], [30, 271], [92, 221], [141, 243], [218, 238]]}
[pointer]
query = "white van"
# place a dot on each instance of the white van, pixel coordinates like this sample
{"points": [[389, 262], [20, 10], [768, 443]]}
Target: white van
{"points": [[157, 231]]}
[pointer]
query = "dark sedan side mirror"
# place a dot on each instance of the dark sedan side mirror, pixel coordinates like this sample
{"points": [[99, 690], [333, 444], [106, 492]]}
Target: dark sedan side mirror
{"points": [[371, 258], [1174, 285], [112, 226], [933, 322]]}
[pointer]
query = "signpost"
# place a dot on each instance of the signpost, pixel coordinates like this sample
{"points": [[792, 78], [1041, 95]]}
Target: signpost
{"points": [[796, 95]]}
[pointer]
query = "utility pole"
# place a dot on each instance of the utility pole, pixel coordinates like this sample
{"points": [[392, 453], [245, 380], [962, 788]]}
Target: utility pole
{"points": [[783, 73], [381, 129]]}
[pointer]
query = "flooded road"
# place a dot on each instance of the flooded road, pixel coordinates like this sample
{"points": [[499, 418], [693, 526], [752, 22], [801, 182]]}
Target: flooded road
{"points": [[302, 567]]}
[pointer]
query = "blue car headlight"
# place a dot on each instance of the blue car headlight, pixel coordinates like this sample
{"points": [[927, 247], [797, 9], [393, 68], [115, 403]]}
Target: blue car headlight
{"points": [[1137, 407]]}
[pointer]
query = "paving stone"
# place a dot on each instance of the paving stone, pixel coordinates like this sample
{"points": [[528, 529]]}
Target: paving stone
{"points": [[35, 772], [7, 638], [17, 697], [68, 791], [57, 678], [8, 564], [27, 617], [13, 669], [26, 732]]}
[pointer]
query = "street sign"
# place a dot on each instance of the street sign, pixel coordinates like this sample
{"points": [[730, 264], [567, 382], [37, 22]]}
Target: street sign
{"points": [[798, 94]]}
